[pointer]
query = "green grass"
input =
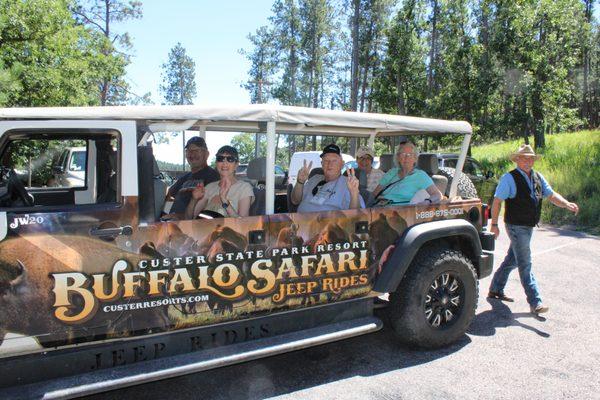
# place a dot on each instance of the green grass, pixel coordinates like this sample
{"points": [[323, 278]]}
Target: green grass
{"points": [[570, 163]]}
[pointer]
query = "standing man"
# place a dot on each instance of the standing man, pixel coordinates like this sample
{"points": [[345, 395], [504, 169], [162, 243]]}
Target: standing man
{"points": [[522, 189], [330, 191], [364, 158], [196, 154]]}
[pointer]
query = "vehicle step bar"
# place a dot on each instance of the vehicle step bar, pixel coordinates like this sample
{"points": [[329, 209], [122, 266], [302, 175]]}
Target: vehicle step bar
{"points": [[169, 367]]}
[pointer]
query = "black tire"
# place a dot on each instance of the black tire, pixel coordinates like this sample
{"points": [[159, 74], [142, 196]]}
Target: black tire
{"points": [[465, 189], [436, 301]]}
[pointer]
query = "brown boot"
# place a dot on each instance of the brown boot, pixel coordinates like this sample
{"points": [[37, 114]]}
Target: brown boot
{"points": [[539, 309], [499, 296]]}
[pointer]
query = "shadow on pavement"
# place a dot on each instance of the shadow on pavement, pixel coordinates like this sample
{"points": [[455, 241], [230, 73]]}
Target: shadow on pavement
{"points": [[500, 316], [569, 233], [366, 355]]}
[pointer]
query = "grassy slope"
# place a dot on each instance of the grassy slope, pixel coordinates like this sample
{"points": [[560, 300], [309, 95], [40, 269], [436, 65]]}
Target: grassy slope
{"points": [[570, 163]]}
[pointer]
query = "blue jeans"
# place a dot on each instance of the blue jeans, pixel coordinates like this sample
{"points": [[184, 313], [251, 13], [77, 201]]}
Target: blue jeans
{"points": [[519, 255]]}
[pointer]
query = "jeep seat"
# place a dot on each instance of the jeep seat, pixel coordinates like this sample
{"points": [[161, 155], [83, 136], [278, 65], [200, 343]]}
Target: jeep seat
{"points": [[160, 189], [428, 162], [386, 162], [257, 171]]}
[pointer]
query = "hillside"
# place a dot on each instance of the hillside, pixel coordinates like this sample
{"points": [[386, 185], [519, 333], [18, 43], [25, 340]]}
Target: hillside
{"points": [[571, 164]]}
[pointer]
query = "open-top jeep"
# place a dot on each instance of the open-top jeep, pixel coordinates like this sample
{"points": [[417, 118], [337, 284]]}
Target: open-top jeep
{"points": [[97, 292]]}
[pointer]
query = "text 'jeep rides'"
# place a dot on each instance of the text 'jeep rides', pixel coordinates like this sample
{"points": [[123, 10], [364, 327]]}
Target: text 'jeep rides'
{"points": [[97, 292]]}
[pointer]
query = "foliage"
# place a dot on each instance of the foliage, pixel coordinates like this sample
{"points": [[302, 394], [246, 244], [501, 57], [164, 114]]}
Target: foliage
{"points": [[570, 163], [178, 77], [99, 16], [35, 158], [513, 69], [45, 57], [245, 145], [262, 65]]}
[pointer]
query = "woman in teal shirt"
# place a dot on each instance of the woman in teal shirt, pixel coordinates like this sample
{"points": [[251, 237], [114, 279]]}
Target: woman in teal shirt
{"points": [[400, 184]]}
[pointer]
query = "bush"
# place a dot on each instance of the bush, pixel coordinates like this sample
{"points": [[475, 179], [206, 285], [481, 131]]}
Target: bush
{"points": [[570, 163]]}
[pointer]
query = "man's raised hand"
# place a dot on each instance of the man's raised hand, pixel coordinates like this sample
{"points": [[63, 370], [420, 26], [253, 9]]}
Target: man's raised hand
{"points": [[304, 172], [352, 181]]}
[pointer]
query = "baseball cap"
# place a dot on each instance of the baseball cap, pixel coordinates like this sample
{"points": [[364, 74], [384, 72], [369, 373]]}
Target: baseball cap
{"points": [[197, 141], [365, 151], [331, 148]]}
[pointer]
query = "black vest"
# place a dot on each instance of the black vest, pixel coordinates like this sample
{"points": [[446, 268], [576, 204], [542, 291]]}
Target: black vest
{"points": [[523, 209]]}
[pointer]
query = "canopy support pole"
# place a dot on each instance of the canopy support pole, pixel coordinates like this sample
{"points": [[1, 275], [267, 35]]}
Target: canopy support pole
{"points": [[270, 170], [459, 165], [371, 141]]}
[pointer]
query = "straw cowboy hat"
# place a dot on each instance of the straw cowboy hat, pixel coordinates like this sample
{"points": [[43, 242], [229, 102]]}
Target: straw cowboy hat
{"points": [[524, 150]]}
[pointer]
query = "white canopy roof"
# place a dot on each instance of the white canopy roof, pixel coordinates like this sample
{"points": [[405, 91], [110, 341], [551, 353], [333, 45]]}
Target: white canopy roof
{"points": [[253, 118]]}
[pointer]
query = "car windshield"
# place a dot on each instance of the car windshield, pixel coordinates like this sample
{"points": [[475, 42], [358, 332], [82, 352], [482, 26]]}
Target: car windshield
{"points": [[77, 161]]}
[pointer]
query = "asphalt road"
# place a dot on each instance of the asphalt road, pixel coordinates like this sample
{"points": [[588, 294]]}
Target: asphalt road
{"points": [[506, 354]]}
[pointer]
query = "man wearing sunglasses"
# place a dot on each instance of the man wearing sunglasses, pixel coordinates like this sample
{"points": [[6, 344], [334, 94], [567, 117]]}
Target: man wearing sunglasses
{"points": [[196, 154], [330, 191]]}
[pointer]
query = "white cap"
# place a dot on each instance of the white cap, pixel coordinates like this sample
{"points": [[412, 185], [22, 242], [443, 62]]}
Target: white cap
{"points": [[364, 151]]}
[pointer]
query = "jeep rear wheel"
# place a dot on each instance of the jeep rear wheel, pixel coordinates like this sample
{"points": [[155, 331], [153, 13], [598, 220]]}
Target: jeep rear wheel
{"points": [[435, 302]]}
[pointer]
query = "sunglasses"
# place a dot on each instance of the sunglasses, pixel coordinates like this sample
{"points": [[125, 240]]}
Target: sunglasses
{"points": [[229, 159]]}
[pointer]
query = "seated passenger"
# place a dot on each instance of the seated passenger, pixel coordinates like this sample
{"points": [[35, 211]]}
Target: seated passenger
{"points": [[196, 154], [364, 158], [228, 196], [400, 184], [329, 192]]}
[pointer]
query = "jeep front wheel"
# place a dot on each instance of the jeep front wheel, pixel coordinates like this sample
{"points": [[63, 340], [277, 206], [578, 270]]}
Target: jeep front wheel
{"points": [[435, 302]]}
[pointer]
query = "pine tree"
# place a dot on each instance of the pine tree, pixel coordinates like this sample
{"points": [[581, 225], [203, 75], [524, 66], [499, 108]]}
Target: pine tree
{"points": [[100, 15], [262, 65], [178, 77], [287, 31]]}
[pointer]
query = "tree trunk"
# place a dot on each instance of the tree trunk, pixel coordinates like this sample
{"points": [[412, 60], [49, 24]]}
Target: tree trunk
{"points": [[433, 47], [585, 106], [355, 56], [293, 61], [400, 101]]}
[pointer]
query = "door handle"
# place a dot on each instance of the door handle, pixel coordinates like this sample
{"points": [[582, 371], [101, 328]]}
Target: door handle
{"points": [[111, 232]]}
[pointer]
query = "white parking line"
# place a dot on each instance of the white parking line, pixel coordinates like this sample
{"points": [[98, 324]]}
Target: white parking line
{"points": [[554, 248]]}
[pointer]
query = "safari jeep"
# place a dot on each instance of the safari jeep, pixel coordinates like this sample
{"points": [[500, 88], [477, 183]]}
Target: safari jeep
{"points": [[97, 292]]}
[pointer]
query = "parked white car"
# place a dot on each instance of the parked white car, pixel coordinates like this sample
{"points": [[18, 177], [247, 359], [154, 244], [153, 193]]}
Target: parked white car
{"points": [[69, 171]]}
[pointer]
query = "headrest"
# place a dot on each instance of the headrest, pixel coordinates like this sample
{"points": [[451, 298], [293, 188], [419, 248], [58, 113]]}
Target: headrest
{"points": [[386, 162], [315, 171], [428, 162], [257, 169]]}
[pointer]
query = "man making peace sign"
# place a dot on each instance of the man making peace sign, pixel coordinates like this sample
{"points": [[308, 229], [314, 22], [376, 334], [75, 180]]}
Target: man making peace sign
{"points": [[330, 191]]}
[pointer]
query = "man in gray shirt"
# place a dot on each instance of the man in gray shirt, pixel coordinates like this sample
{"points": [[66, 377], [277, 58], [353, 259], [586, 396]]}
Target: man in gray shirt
{"points": [[196, 154], [330, 191]]}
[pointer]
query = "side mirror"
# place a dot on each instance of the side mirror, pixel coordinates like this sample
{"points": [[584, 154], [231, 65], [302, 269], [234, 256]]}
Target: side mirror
{"points": [[489, 175], [58, 169]]}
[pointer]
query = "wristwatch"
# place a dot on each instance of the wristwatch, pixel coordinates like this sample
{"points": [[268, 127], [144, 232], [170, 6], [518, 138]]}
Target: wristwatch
{"points": [[225, 205]]}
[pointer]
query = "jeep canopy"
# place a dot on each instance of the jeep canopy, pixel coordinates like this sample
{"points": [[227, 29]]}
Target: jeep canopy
{"points": [[251, 118]]}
